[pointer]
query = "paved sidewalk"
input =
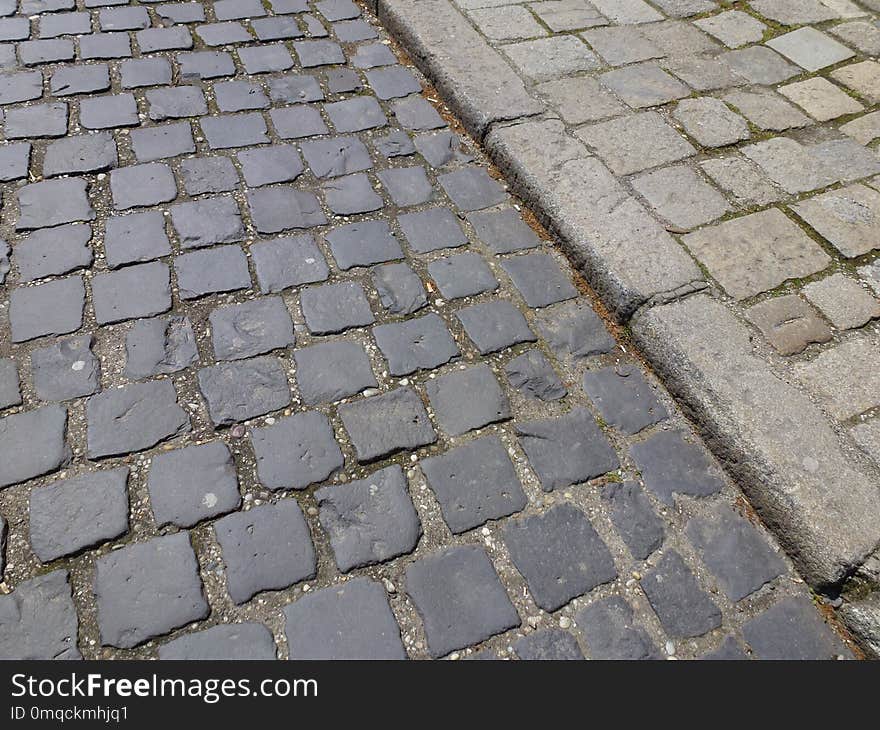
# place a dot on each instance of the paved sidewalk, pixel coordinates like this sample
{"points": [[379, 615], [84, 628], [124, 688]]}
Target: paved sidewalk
{"points": [[712, 168], [284, 373]]}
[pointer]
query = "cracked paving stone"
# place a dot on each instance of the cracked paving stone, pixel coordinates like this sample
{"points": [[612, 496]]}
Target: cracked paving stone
{"points": [[788, 323], [711, 122], [38, 620], [236, 642], [211, 270], [53, 251], [681, 605], [333, 308], [351, 620], [10, 386], [251, 328], [503, 231], [532, 374], [569, 449], [193, 484], [133, 418], [385, 424], [241, 390], [432, 229], [548, 645], [351, 194], [32, 444], [634, 518], [135, 238], [39, 120], [669, 465], [462, 275], [792, 629], [574, 329], [356, 114], [266, 548], [624, 398], [560, 555], [610, 632], [142, 185], [53, 308], [459, 597], [296, 452], [400, 289], [494, 326], [208, 221], [301, 121], [279, 163], [65, 369], [417, 114], [735, 552], [288, 262], [406, 185], [331, 371], [147, 589], [156, 346], [80, 512], [474, 483], [80, 153], [282, 208], [464, 400], [540, 279], [161, 141], [369, 520], [53, 202], [471, 188], [135, 291], [208, 175], [422, 343], [843, 301]]}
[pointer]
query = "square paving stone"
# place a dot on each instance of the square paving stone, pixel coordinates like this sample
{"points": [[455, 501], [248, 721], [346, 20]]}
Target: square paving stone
{"points": [[494, 326], [471, 188], [644, 85], [266, 548], [736, 553], [703, 74], [790, 165], [318, 53], [181, 12], [351, 620], [610, 632], [370, 55], [634, 518], [53, 251], [287, 262], [294, 89], [296, 452], [844, 159], [223, 33], [251, 328], [417, 113], [407, 185], [548, 645], [298, 122], [624, 398], [176, 102], [474, 483], [14, 161], [566, 450], [238, 9], [265, 58], [163, 39], [560, 555], [437, 148], [862, 77], [39, 120], [767, 110], [681, 196], [208, 175], [821, 99], [267, 165], [550, 58], [459, 597], [683, 608], [65, 369], [104, 45], [392, 82], [733, 28], [32, 444], [511, 23], [849, 218], [238, 391], [53, 202], [466, 399], [620, 45], [400, 289], [147, 589], [810, 48], [845, 302], [84, 79], [338, 9], [275, 29], [193, 484], [711, 122], [384, 424], [20, 86], [38, 620], [161, 141], [356, 114], [566, 95], [219, 269], [540, 279], [236, 642], [234, 130], [532, 374], [331, 371], [351, 194], [35, 52], [363, 244], [53, 308], [106, 112], [788, 323], [503, 231], [621, 142], [135, 237], [670, 465], [332, 308], [422, 343], [369, 520], [208, 221], [759, 65], [133, 418], [155, 346], [462, 275], [135, 291], [282, 208], [756, 253], [205, 65], [793, 629], [79, 512], [10, 390], [80, 153], [142, 185], [432, 229]]}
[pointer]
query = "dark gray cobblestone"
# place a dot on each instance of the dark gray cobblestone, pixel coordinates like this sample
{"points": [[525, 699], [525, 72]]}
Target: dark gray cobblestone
{"points": [[284, 373]]}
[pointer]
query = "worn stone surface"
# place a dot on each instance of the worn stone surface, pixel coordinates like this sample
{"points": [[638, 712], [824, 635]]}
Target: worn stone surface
{"points": [[791, 629], [683, 609], [842, 377], [788, 323], [463, 400], [610, 632], [32, 444], [225, 641]]}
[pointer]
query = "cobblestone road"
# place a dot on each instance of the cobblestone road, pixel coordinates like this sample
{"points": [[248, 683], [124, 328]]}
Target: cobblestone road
{"points": [[284, 373]]}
